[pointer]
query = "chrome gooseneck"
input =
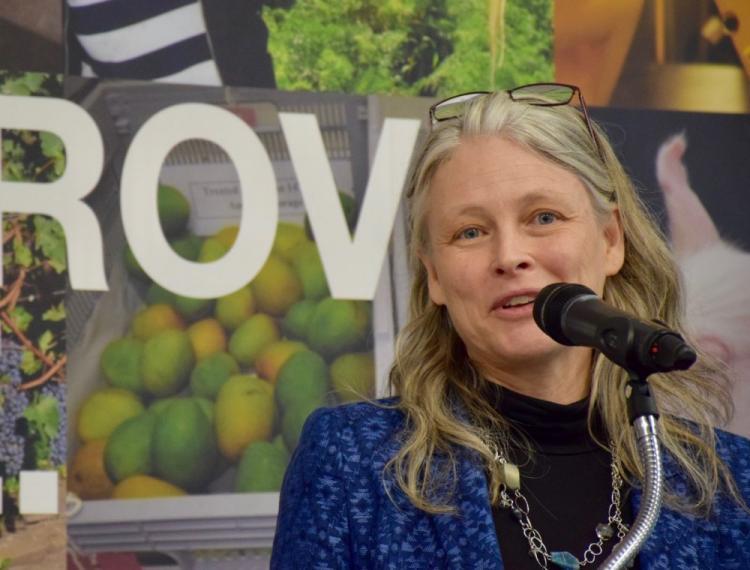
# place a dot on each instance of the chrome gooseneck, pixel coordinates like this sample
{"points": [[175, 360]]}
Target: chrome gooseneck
{"points": [[643, 417]]}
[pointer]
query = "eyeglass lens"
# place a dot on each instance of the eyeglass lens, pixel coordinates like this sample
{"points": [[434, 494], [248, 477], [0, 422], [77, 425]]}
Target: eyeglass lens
{"points": [[453, 107], [550, 94]]}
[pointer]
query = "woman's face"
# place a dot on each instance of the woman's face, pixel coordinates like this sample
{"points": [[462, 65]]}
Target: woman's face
{"points": [[503, 223]]}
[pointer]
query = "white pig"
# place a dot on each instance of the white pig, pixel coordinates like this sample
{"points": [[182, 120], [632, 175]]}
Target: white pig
{"points": [[716, 278]]}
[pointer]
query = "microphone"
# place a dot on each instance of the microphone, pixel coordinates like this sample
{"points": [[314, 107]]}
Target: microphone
{"points": [[573, 315]]}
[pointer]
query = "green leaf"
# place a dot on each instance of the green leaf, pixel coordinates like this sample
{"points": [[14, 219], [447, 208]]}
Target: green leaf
{"points": [[15, 87], [50, 238], [59, 165], [30, 364], [55, 313], [22, 253], [10, 485], [12, 150], [20, 317], [33, 81], [46, 341], [44, 416], [52, 145]]}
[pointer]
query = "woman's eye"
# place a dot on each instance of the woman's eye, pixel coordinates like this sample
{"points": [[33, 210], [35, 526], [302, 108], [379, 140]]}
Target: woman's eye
{"points": [[545, 218], [470, 233]]}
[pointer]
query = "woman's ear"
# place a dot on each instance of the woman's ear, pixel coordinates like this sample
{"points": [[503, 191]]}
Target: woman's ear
{"points": [[615, 243], [433, 281]]}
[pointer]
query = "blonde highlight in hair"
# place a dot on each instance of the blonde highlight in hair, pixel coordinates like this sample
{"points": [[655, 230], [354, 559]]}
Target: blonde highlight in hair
{"points": [[440, 391]]}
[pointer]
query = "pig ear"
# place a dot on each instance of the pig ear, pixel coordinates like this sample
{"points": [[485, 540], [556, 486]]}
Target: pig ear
{"points": [[690, 226]]}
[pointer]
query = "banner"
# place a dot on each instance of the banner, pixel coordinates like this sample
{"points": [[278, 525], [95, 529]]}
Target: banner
{"points": [[206, 239]]}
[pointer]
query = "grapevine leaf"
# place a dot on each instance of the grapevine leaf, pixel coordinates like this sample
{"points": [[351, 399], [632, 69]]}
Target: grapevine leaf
{"points": [[55, 313], [50, 238], [14, 150], [44, 416], [46, 341], [10, 485], [33, 82], [30, 364], [20, 317], [59, 165], [22, 253], [52, 145], [13, 171], [15, 87]]}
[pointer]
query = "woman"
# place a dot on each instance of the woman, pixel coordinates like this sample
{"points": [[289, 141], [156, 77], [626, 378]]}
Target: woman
{"points": [[503, 448]]}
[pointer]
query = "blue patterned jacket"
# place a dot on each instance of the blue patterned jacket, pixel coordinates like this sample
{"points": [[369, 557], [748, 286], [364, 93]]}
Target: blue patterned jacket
{"points": [[335, 512]]}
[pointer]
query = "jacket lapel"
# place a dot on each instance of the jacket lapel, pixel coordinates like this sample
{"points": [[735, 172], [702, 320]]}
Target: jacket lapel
{"points": [[469, 537]]}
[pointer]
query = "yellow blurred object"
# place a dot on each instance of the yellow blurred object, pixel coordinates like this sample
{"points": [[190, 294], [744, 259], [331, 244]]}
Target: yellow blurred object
{"points": [[145, 487], [104, 410], [207, 337], [735, 17], [699, 87], [154, 319], [288, 236], [234, 309], [227, 235], [713, 30], [88, 478], [273, 357], [211, 250], [243, 414], [251, 337], [353, 376], [276, 287]]}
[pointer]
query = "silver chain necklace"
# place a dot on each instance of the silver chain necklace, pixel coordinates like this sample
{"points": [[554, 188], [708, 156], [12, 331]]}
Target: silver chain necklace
{"points": [[512, 498]]}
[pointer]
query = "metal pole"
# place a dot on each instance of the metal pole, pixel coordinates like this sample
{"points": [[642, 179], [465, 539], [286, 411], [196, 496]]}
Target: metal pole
{"points": [[648, 449]]}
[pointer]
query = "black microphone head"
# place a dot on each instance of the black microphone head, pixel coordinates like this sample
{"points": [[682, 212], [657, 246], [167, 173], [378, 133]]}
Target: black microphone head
{"points": [[550, 304]]}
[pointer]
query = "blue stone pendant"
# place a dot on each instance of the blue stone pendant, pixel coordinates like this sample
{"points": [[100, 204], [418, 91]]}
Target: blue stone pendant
{"points": [[564, 560]]}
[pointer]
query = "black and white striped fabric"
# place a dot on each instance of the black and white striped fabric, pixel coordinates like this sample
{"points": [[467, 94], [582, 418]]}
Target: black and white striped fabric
{"points": [[163, 40]]}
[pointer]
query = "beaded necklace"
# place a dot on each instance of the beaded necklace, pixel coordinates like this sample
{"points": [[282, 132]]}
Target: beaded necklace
{"points": [[513, 499]]}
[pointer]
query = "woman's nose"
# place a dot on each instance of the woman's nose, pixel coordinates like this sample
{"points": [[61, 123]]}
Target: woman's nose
{"points": [[511, 254]]}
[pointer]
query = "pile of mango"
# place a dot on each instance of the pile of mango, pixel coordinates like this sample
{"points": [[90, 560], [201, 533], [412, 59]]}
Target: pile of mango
{"points": [[199, 386]]}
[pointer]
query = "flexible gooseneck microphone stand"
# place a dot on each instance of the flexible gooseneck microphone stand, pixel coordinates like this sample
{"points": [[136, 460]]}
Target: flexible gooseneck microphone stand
{"points": [[643, 417], [573, 315]]}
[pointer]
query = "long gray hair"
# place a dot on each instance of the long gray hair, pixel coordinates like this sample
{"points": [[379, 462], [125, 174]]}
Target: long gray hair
{"points": [[432, 372]]}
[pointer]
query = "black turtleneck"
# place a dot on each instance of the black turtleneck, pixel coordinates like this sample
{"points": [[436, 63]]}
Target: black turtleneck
{"points": [[567, 482]]}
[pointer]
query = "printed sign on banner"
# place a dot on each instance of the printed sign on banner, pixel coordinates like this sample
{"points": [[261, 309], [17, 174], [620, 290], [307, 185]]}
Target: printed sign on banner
{"points": [[199, 400]]}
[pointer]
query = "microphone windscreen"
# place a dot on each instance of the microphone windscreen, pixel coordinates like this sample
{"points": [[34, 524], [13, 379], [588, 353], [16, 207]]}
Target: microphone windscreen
{"points": [[550, 304]]}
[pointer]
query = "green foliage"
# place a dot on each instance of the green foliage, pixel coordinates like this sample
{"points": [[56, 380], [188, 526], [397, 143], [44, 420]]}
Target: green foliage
{"points": [[24, 84], [34, 274], [30, 364], [50, 240], [43, 416], [55, 314], [31, 156], [409, 47], [52, 147], [20, 317]]}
